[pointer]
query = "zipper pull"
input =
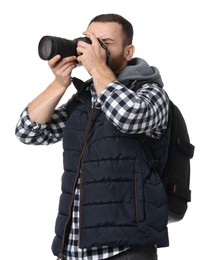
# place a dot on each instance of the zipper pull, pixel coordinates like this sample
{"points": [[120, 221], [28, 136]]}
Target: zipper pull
{"points": [[61, 257]]}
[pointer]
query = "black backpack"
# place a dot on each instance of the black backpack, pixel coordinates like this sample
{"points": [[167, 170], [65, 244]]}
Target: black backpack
{"points": [[174, 169], [176, 175]]}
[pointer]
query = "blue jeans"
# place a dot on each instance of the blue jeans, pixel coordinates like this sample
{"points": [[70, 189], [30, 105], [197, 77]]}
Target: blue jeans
{"points": [[137, 253]]}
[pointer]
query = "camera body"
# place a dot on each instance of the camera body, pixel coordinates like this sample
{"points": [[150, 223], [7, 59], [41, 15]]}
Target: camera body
{"points": [[49, 46]]}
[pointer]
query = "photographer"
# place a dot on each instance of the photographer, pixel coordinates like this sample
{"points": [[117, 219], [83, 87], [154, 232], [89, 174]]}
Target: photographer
{"points": [[112, 205]]}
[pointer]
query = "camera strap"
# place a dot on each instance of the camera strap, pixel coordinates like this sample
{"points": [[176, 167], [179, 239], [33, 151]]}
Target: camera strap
{"points": [[106, 50]]}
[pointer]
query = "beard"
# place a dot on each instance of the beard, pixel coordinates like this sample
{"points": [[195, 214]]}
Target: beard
{"points": [[117, 63]]}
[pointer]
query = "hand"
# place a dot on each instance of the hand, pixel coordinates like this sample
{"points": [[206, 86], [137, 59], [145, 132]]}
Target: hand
{"points": [[62, 69], [91, 56]]}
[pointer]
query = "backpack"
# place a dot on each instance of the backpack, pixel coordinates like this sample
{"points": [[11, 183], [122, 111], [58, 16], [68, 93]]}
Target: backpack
{"points": [[174, 169], [169, 156]]}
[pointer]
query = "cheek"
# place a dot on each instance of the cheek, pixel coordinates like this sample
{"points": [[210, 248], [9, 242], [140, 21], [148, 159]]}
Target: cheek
{"points": [[116, 56], [116, 59], [116, 64]]}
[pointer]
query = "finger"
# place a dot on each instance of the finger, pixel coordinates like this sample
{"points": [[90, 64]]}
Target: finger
{"points": [[52, 62], [62, 70], [69, 67], [57, 61], [92, 36]]}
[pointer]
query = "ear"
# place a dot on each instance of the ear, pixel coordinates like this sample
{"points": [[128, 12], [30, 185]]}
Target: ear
{"points": [[129, 51]]}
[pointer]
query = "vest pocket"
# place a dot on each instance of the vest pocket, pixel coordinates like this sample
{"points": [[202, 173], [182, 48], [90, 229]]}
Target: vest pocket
{"points": [[139, 198]]}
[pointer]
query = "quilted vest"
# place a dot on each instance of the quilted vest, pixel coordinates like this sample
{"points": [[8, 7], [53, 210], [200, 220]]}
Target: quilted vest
{"points": [[122, 202]]}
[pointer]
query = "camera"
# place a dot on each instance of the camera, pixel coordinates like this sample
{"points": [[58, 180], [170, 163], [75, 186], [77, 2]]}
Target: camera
{"points": [[49, 46]]}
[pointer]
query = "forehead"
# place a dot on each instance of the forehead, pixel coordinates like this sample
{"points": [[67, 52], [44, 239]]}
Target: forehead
{"points": [[106, 29]]}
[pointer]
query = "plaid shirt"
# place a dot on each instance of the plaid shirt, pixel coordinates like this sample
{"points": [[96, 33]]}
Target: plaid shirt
{"points": [[145, 111]]}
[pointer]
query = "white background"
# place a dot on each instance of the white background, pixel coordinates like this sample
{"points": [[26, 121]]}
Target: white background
{"points": [[174, 36]]}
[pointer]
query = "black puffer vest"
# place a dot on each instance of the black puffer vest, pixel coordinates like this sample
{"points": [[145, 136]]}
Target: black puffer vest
{"points": [[123, 203]]}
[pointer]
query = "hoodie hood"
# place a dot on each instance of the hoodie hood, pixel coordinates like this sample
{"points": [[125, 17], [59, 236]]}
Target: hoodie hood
{"points": [[139, 69]]}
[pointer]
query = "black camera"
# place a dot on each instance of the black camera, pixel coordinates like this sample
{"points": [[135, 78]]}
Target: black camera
{"points": [[49, 46]]}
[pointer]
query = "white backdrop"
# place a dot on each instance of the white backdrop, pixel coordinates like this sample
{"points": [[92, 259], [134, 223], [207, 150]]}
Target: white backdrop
{"points": [[174, 36]]}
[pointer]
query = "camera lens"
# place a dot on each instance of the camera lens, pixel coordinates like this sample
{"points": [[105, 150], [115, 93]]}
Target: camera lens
{"points": [[49, 46], [46, 48]]}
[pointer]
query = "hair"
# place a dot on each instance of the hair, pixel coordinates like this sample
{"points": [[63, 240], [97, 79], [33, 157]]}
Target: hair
{"points": [[127, 27]]}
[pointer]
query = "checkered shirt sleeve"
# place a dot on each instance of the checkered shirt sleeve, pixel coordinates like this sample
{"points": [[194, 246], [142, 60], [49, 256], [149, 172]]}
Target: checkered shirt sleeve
{"points": [[145, 111], [30, 132]]}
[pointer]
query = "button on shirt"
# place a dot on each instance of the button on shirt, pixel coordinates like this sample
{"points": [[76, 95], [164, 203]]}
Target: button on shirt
{"points": [[145, 111]]}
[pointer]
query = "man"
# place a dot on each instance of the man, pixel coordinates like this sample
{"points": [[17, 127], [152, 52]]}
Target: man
{"points": [[112, 204]]}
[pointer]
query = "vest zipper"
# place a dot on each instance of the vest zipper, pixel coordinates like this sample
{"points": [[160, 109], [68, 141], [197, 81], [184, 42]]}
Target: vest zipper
{"points": [[80, 172], [61, 255]]}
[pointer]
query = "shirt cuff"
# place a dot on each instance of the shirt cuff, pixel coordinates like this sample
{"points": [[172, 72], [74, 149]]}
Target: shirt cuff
{"points": [[28, 124]]}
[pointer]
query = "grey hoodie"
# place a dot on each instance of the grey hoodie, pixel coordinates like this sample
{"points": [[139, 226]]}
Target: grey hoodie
{"points": [[138, 69]]}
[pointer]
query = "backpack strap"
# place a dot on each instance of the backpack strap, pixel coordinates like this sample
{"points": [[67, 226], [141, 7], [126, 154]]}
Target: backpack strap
{"points": [[152, 161], [179, 190]]}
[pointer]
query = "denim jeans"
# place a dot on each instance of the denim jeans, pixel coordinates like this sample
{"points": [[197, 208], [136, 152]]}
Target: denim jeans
{"points": [[137, 253]]}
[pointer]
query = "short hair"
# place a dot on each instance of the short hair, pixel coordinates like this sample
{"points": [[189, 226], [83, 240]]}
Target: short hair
{"points": [[127, 27]]}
